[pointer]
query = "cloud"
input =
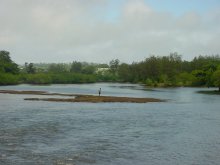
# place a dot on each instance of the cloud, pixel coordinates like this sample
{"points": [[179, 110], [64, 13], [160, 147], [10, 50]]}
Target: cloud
{"points": [[63, 31]]}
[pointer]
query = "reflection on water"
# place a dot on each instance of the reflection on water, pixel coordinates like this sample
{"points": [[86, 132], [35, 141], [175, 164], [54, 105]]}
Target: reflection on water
{"points": [[185, 130]]}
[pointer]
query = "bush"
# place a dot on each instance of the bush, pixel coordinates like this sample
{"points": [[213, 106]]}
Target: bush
{"points": [[149, 82], [8, 79], [37, 79]]}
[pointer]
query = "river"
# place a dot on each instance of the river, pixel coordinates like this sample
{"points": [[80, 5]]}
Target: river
{"points": [[185, 130]]}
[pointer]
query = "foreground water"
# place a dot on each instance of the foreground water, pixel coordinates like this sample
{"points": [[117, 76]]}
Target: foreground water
{"points": [[184, 130]]}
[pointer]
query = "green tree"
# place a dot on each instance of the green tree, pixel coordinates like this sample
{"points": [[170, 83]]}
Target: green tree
{"points": [[152, 68], [6, 64], [5, 57], [114, 64], [29, 68], [209, 70], [76, 67], [200, 77], [57, 68], [8, 79], [124, 72], [185, 79], [88, 69], [216, 79], [198, 63]]}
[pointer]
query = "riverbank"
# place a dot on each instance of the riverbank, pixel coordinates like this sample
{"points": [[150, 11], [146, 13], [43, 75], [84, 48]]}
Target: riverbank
{"points": [[81, 98], [214, 92]]}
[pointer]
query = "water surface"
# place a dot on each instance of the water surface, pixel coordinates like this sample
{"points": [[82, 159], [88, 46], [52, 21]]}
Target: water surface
{"points": [[184, 130]]}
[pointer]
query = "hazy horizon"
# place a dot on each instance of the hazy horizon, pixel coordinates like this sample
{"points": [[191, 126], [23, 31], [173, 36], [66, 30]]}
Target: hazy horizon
{"points": [[53, 31]]}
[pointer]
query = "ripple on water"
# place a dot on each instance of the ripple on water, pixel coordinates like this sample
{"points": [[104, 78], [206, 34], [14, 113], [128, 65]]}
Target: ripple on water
{"points": [[185, 130]]}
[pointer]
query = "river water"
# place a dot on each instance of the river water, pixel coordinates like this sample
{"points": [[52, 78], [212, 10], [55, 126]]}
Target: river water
{"points": [[185, 130]]}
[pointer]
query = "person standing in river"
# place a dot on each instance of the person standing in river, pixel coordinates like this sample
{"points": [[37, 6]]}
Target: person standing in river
{"points": [[100, 90]]}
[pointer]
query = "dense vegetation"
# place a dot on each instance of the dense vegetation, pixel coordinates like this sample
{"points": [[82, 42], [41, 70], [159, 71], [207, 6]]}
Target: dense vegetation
{"points": [[153, 71], [173, 71]]}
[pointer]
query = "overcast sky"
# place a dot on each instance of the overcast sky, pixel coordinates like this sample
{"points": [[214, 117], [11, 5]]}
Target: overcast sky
{"points": [[101, 30]]}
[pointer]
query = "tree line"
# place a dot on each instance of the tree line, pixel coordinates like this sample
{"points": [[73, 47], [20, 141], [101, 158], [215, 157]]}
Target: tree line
{"points": [[155, 71], [173, 71]]}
